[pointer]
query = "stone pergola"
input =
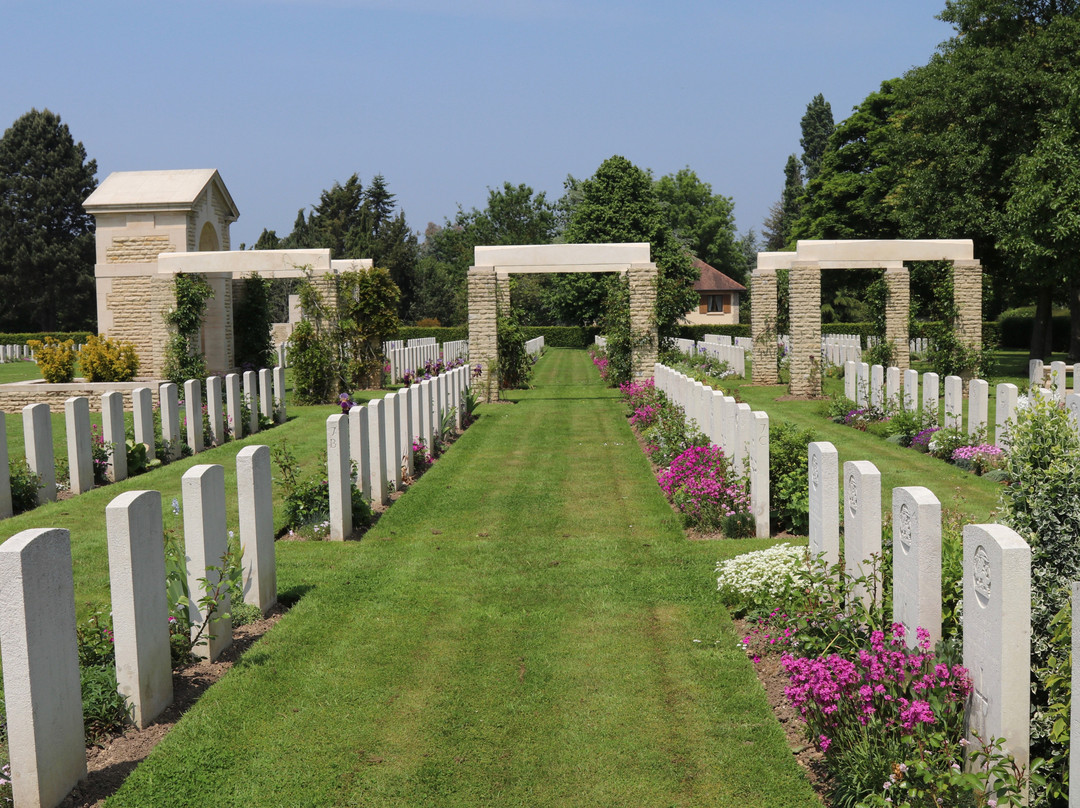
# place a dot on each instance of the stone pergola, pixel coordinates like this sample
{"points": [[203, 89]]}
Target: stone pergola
{"points": [[154, 224], [805, 266], [489, 294]]}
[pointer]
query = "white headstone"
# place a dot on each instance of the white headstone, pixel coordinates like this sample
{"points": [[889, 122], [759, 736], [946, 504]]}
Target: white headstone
{"points": [[42, 694], [38, 440], [377, 451], [280, 411], [142, 406], [917, 562], [266, 394], [997, 636], [112, 428], [978, 405], [193, 415], [255, 500], [393, 455], [954, 402], [877, 379], [215, 410], [233, 411], [360, 450], [892, 387], [80, 458], [911, 390], [339, 476], [140, 607], [759, 472], [824, 492], [862, 524], [1005, 415], [862, 397], [931, 388], [251, 398], [851, 380], [743, 436], [1058, 380], [205, 545]]}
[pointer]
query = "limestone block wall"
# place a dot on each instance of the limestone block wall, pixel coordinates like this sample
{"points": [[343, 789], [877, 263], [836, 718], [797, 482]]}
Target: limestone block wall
{"points": [[805, 329], [897, 306], [967, 296], [642, 279], [763, 326], [137, 249], [130, 301], [162, 299], [483, 337], [502, 290], [15, 396]]}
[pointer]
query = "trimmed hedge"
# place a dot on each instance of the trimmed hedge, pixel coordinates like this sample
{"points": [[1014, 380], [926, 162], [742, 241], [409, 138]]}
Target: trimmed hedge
{"points": [[79, 337], [1015, 331], [555, 336], [698, 332], [441, 334], [562, 336]]}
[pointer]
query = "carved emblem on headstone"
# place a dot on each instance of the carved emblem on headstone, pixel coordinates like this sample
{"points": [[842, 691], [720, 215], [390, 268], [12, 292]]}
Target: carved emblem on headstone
{"points": [[981, 572], [905, 527], [815, 470], [852, 494]]}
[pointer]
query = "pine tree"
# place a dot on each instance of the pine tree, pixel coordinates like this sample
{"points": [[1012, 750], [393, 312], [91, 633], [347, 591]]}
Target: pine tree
{"points": [[46, 237], [817, 127]]}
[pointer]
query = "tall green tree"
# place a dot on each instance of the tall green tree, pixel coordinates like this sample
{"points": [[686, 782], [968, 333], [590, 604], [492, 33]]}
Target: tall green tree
{"points": [[514, 214], [354, 222], [619, 203], [817, 127], [777, 229], [46, 237], [702, 220]]}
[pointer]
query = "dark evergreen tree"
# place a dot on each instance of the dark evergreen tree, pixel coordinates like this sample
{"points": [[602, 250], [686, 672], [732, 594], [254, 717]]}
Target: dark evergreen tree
{"points": [[817, 127], [46, 237], [777, 230]]}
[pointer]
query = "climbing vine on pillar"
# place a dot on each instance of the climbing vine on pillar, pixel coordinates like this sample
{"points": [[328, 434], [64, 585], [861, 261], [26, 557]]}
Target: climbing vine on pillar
{"points": [[183, 358]]}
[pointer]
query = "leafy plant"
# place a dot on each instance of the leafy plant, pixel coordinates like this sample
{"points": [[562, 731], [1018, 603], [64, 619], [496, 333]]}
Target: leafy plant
{"points": [[515, 366], [700, 483], [789, 494], [55, 360], [183, 359], [106, 360], [312, 363], [252, 323], [25, 485]]}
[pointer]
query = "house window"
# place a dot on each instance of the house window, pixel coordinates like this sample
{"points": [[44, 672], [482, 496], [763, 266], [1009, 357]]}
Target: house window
{"points": [[719, 304]]}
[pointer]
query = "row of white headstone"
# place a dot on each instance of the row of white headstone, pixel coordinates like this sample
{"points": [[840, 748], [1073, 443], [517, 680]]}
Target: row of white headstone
{"points": [[1056, 380], [392, 344], [723, 339], [732, 354], [414, 357], [996, 575], [37, 614], [836, 349], [264, 394], [880, 388], [534, 346], [742, 435], [376, 440], [17, 353]]}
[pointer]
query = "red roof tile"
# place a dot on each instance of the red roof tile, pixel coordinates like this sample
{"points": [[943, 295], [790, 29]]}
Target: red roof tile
{"points": [[713, 280]]}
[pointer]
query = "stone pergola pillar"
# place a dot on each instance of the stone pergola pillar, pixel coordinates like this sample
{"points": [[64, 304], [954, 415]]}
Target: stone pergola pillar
{"points": [[897, 307], [642, 279], [763, 325], [483, 334], [502, 291], [967, 297], [805, 315]]}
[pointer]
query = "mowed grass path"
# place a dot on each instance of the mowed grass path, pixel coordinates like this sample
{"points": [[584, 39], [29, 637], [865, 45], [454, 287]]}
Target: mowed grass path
{"points": [[528, 626]]}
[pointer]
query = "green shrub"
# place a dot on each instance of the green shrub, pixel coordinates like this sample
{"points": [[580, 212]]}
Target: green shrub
{"points": [[106, 360], [24, 486], [789, 494], [1042, 504], [252, 324], [56, 360], [183, 359], [697, 332], [515, 364], [311, 362]]}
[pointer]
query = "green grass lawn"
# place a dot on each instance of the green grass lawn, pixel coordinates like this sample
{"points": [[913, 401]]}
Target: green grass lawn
{"points": [[528, 626]]}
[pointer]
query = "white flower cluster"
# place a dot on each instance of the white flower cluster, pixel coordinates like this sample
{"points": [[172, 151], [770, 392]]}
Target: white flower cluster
{"points": [[769, 573]]}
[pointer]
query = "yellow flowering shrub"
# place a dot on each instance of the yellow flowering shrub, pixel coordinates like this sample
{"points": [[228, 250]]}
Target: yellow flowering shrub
{"points": [[56, 360], [106, 360]]}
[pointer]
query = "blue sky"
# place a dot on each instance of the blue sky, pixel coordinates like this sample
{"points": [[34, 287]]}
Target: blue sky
{"points": [[447, 99]]}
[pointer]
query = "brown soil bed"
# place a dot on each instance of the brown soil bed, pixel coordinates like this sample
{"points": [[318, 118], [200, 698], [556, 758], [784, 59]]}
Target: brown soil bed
{"points": [[111, 761], [774, 680]]}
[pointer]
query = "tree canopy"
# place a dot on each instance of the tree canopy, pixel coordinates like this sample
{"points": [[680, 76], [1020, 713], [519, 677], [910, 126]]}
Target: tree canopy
{"points": [[46, 237]]}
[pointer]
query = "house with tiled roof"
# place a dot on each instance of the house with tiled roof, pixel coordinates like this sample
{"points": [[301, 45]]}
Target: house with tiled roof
{"points": [[718, 297]]}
